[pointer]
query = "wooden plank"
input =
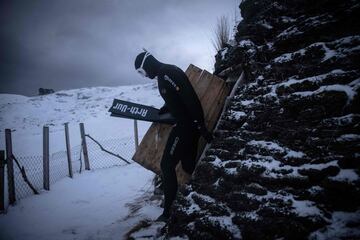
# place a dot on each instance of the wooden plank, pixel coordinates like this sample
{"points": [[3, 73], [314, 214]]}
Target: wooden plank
{"points": [[209, 89], [136, 135], [2, 187], [212, 93], [152, 146], [217, 104], [68, 149], [193, 72], [202, 84], [10, 167], [84, 146], [46, 158]]}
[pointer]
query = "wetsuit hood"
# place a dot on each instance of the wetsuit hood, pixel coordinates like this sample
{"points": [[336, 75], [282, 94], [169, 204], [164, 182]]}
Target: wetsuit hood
{"points": [[147, 65]]}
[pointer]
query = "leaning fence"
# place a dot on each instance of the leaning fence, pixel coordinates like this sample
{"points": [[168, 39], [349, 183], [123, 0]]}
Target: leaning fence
{"points": [[31, 174]]}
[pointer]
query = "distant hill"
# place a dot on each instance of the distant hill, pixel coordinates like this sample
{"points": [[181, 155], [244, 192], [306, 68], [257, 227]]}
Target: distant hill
{"points": [[27, 115]]}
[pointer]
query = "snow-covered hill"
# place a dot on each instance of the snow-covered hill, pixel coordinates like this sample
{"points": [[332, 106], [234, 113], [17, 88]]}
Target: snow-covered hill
{"points": [[100, 204], [27, 115]]}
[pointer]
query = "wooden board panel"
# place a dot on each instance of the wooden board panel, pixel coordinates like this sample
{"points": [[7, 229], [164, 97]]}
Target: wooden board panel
{"points": [[193, 73], [212, 92]]}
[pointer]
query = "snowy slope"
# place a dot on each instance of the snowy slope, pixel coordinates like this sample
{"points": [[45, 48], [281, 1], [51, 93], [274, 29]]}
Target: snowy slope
{"points": [[100, 204], [93, 205], [27, 115]]}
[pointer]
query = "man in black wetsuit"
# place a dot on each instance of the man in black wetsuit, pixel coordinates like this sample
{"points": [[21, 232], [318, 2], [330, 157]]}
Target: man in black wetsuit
{"points": [[183, 103]]}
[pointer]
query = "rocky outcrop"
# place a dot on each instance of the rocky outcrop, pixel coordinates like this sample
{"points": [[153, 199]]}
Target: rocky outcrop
{"points": [[285, 160], [45, 91]]}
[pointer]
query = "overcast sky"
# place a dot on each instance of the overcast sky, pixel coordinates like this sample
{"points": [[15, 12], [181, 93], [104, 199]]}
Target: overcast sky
{"points": [[71, 44]]}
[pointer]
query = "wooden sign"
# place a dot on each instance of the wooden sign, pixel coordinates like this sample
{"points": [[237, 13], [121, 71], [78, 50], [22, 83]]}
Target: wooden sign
{"points": [[125, 109], [212, 92]]}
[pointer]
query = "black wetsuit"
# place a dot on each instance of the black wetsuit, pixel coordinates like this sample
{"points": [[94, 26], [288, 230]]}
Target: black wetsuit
{"points": [[183, 103]]}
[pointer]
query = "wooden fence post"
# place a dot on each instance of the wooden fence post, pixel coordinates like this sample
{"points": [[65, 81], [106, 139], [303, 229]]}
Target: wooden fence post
{"points": [[10, 167], [84, 146], [46, 157], [2, 192], [136, 135], [68, 150]]}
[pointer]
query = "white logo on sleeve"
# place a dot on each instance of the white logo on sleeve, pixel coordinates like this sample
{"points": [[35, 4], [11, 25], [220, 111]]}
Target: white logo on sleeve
{"points": [[167, 78]]}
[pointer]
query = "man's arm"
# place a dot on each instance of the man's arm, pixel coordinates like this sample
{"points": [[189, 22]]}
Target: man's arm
{"points": [[164, 109], [189, 98]]}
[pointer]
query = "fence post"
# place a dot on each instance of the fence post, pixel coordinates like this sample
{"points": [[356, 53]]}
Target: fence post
{"points": [[2, 192], [10, 167], [136, 135], [84, 146], [46, 170], [68, 150]]}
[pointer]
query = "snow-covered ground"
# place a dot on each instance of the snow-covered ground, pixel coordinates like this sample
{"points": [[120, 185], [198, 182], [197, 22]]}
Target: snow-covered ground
{"points": [[95, 204]]}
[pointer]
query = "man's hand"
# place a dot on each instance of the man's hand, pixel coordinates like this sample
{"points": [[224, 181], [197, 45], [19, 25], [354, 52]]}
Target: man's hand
{"points": [[204, 132], [163, 110], [208, 136]]}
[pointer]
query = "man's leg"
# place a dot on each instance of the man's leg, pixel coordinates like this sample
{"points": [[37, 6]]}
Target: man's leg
{"points": [[168, 165], [188, 160]]}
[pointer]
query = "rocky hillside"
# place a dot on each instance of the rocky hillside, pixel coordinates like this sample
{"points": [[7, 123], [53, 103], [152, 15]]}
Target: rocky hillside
{"points": [[285, 161]]}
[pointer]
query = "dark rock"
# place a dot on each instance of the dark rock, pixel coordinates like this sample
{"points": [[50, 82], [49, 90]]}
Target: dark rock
{"points": [[45, 91]]}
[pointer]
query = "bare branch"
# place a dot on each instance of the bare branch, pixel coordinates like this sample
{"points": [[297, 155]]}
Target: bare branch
{"points": [[221, 33]]}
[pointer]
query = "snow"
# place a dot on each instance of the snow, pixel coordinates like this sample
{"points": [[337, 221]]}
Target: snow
{"points": [[355, 84], [294, 154], [290, 31], [346, 175], [315, 189], [287, 19], [302, 208], [223, 53], [318, 78], [328, 52], [217, 162], [90, 206], [236, 115], [266, 25], [247, 102], [339, 228], [252, 215], [343, 120], [348, 138], [332, 49], [349, 91], [246, 43], [225, 222], [231, 171], [272, 92], [305, 208], [204, 197], [272, 165], [94, 204], [148, 232], [216, 184], [320, 166], [271, 146], [193, 207], [286, 57]]}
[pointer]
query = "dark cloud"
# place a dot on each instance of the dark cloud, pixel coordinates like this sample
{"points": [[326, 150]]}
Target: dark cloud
{"points": [[70, 44]]}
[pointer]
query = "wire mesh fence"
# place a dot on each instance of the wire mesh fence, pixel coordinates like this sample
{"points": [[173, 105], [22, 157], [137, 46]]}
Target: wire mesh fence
{"points": [[100, 159], [59, 168], [33, 167]]}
